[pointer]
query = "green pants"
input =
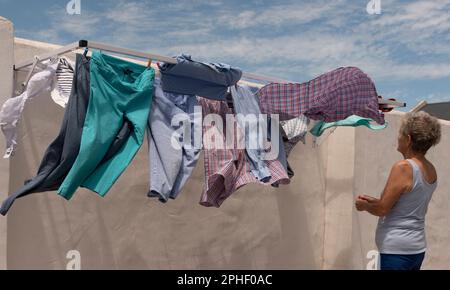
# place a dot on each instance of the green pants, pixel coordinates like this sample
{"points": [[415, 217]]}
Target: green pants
{"points": [[119, 91]]}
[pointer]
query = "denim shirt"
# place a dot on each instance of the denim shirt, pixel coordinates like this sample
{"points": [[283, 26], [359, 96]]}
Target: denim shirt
{"points": [[210, 80]]}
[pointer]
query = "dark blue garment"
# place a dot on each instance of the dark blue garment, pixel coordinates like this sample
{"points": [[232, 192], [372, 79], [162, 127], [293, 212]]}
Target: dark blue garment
{"points": [[61, 153], [189, 77], [401, 262]]}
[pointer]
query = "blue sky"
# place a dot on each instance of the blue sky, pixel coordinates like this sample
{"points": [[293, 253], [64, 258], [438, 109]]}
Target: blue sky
{"points": [[405, 49]]}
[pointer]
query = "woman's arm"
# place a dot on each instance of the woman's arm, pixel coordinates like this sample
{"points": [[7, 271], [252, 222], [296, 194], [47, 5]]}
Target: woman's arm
{"points": [[399, 181]]}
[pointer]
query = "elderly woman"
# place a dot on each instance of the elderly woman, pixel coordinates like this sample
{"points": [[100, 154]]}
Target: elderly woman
{"points": [[400, 234]]}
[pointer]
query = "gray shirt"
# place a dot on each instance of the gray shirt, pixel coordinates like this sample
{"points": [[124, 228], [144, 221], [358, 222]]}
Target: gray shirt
{"points": [[402, 230]]}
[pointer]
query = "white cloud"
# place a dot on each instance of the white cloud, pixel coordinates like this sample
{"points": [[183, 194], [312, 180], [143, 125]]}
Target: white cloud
{"points": [[311, 56], [438, 97], [279, 15], [131, 14], [327, 35], [415, 22]]}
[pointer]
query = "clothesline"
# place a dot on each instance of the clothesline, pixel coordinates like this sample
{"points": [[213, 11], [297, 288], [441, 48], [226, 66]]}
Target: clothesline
{"points": [[109, 109], [149, 56], [125, 51]]}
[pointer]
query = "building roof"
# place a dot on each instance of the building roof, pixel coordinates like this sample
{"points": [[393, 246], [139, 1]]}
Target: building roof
{"points": [[438, 110]]}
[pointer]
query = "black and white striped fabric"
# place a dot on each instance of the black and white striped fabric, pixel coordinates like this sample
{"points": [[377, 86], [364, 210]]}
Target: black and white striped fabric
{"points": [[64, 80]]}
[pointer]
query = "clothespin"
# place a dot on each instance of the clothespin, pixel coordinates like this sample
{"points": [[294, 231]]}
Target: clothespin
{"points": [[385, 108], [86, 50], [149, 64], [9, 152]]}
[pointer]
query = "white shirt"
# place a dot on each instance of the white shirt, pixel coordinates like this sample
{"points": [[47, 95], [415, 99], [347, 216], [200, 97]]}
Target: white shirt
{"points": [[45, 81]]}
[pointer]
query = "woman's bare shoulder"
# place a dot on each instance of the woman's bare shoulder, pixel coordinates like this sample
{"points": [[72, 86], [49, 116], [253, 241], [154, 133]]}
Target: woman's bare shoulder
{"points": [[402, 169], [402, 166], [430, 172]]}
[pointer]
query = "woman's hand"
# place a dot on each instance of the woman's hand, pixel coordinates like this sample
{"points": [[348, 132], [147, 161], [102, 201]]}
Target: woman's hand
{"points": [[368, 198], [361, 202]]}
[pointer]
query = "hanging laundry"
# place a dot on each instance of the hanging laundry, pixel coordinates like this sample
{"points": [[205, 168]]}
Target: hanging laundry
{"points": [[171, 164], [64, 78], [352, 121], [289, 144], [330, 97], [119, 91], [296, 127], [248, 115], [41, 83], [294, 131], [12, 109], [247, 101], [62, 152], [226, 170], [210, 80], [291, 132], [59, 156], [282, 154]]}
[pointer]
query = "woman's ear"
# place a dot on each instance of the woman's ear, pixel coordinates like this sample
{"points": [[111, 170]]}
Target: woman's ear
{"points": [[409, 140]]}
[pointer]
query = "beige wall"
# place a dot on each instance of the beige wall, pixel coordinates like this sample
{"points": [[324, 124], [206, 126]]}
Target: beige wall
{"points": [[349, 235], [258, 228], [310, 224], [375, 153], [6, 89]]}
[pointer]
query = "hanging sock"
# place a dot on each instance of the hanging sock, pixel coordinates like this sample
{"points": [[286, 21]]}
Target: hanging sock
{"points": [[64, 79], [352, 121]]}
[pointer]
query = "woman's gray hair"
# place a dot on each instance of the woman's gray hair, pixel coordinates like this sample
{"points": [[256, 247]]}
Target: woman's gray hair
{"points": [[424, 129]]}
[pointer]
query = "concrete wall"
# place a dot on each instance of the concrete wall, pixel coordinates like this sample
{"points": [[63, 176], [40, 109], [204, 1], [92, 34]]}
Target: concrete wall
{"points": [[375, 153], [310, 224], [6, 89], [359, 163], [257, 228]]}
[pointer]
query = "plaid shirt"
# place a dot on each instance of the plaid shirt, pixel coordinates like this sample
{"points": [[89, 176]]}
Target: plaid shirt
{"points": [[330, 97], [226, 170]]}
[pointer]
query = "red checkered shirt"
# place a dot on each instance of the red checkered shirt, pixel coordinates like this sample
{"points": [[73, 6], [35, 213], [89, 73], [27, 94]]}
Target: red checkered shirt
{"points": [[330, 97], [226, 170]]}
